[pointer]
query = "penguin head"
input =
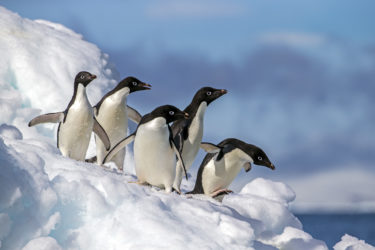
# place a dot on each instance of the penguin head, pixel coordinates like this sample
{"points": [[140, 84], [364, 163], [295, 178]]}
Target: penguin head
{"points": [[170, 113], [257, 155], [208, 95], [84, 78], [133, 84]]}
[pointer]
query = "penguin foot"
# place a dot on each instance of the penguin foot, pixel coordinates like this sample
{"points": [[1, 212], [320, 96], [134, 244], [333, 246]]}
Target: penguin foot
{"points": [[139, 183], [221, 192], [177, 191]]}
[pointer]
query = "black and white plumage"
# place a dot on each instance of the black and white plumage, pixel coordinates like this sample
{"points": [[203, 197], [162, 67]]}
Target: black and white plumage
{"points": [[188, 133], [154, 148], [77, 121], [113, 113], [223, 163]]}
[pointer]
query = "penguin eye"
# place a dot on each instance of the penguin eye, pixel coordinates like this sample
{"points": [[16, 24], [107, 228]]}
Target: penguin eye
{"points": [[208, 93], [260, 158], [82, 76], [134, 83], [171, 112]]}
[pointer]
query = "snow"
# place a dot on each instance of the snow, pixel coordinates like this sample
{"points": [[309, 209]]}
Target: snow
{"points": [[52, 202]]}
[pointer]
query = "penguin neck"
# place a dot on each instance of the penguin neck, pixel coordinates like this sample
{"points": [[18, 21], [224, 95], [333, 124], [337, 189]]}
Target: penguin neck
{"points": [[157, 123], [196, 112], [233, 162], [196, 109], [81, 93], [119, 97], [79, 96]]}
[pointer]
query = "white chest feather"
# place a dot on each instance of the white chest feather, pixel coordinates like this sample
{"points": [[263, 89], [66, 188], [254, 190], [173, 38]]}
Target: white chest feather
{"points": [[113, 116], [154, 158], [74, 133], [220, 174], [191, 145]]}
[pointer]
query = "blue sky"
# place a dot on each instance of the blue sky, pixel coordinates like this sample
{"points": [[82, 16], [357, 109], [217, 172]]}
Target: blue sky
{"points": [[300, 74]]}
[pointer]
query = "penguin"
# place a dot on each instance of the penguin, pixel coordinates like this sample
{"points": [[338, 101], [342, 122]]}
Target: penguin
{"points": [[154, 148], [77, 121], [113, 113], [188, 133], [223, 163]]}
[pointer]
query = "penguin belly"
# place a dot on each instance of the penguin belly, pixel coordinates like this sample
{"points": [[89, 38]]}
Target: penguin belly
{"points": [[191, 145], [154, 158], [74, 134], [114, 120], [220, 174]]}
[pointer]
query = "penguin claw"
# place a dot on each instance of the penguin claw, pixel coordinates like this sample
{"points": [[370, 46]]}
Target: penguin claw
{"points": [[139, 183], [221, 192], [177, 191]]}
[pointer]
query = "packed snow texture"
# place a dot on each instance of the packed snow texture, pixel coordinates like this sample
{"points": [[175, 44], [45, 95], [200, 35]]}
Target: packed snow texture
{"points": [[51, 201], [48, 201]]}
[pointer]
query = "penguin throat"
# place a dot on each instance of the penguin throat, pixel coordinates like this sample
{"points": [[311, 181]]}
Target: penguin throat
{"points": [[120, 95], [81, 93], [196, 126], [201, 110]]}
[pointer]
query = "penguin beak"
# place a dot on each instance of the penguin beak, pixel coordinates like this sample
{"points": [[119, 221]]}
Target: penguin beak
{"points": [[272, 166], [223, 91], [220, 92], [144, 86], [92, 77]]}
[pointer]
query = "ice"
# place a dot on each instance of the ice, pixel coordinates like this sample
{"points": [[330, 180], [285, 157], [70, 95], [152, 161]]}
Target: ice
{"points": [[49, 201]]}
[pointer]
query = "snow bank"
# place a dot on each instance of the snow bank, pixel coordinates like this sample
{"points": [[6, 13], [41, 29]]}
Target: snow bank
{"points": [[352, 243], [53, 202], [38, 63]]}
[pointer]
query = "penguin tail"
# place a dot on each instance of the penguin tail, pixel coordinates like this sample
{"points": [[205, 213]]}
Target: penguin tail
{"points": [[91, 160]]}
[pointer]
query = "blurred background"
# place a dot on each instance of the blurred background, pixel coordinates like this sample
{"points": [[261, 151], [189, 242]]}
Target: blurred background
{"points": [[300, 76]]}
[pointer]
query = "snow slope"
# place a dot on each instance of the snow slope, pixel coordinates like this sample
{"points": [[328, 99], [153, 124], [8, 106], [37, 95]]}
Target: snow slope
{"points": [[51, 202], [58, 202]]}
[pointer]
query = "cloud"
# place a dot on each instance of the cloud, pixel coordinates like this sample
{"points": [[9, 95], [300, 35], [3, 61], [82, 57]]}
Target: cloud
{"points": [[193, 9], [299, 39]]}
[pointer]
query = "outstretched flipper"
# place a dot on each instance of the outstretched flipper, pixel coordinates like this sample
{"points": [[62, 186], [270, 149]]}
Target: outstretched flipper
{"points": [[134, 115], [118, 147], [210, 148], [99, 131], [50, 117], [178, 156]]}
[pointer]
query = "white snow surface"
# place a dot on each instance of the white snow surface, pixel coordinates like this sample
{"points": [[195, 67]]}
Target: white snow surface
{"points": [[48, 201]]}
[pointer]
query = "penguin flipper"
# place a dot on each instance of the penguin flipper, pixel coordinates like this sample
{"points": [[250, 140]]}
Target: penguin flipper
{"points": [[180, 130], [134, 115], [210, 147], [118, 147], [50, 117], [247, 166], [178, 156], [98, 129]]}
